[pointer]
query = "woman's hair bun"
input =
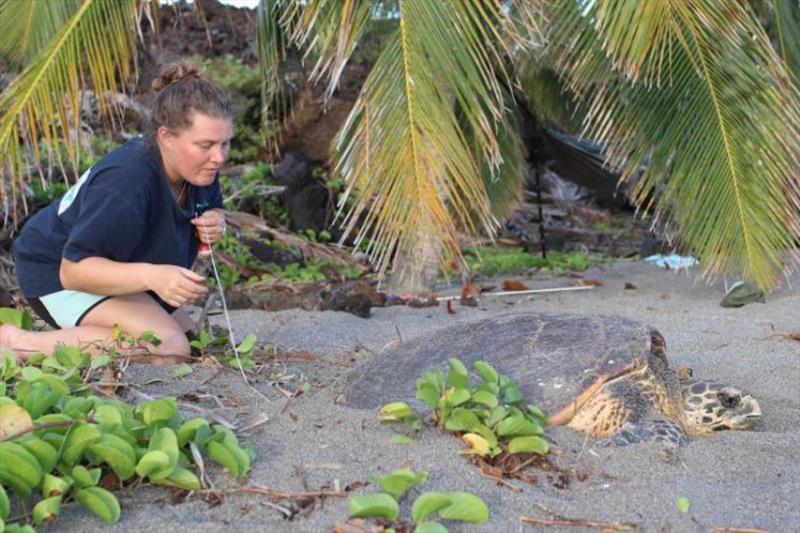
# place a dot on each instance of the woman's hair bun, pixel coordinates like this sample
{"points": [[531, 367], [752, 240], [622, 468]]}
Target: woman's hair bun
{"points": [[173, 73]]}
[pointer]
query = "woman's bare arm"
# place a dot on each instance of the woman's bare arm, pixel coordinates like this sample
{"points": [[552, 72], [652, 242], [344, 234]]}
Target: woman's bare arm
{"points": [[97, 275]]}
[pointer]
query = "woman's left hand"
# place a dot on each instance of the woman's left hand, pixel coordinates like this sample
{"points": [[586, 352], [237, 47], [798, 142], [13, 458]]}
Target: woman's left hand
{"points": [[210, 225]]}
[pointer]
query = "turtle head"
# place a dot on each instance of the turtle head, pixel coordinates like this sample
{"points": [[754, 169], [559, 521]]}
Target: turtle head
{"points": [[711, 406]]}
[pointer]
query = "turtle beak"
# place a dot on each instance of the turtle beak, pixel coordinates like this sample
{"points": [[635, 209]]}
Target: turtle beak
{"points": [[747, 414]]}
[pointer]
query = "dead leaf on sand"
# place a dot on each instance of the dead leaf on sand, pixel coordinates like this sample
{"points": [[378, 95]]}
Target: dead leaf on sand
{"points": [[514, 285], [794, 336], [13, 420], [588, 282]]}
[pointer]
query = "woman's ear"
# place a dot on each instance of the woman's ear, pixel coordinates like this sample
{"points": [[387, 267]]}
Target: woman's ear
{"points": [[163, 134]]}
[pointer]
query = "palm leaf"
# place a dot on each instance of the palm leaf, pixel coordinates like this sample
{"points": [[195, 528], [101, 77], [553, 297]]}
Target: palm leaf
{"points": [[275, 20], [330, 30], [404, 148], [695, 91], [787, 29], [28, 27], [39, 106]]}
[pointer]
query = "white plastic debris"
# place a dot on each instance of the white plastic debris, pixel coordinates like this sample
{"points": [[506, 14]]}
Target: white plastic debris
{"points": [[672, 262]]}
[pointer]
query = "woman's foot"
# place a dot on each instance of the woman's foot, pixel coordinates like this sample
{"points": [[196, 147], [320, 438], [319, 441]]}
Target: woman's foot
{"points": [[8, 341]]}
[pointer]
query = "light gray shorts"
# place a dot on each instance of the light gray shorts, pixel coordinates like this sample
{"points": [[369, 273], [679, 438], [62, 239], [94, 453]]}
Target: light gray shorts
{"points": [[65, 309]]}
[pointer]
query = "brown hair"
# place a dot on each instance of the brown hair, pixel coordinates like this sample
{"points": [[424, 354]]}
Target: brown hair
{"points": [[181, 89]]}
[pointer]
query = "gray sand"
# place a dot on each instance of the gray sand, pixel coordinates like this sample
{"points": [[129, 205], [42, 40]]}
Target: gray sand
{"points": [[745, 479]]}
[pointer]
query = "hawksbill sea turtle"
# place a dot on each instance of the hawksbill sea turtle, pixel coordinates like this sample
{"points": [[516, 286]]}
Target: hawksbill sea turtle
{"points": [[607, 376]]}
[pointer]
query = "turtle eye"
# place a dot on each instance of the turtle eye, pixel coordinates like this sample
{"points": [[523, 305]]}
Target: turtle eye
{"points": [[728, 400]]}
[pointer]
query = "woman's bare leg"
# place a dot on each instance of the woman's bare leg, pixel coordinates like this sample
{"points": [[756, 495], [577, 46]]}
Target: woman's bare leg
{"points": [[133, 313]]}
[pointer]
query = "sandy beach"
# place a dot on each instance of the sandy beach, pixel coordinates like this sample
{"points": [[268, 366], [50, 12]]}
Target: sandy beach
{"points": [[741, 479]]}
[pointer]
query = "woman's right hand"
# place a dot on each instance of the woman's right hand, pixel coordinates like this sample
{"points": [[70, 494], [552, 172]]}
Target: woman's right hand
{"points": [[175, 285]]}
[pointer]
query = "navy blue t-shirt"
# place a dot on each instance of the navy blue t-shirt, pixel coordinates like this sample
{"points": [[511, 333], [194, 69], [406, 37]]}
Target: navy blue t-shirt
{"points": [[121, 209]]}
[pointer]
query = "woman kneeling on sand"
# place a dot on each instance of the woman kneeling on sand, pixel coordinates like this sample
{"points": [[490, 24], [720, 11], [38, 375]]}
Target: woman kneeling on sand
{"points": [[117, 249]]}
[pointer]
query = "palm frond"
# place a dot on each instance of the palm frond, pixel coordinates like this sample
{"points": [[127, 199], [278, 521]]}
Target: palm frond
{"points": [[504, 185], [331, 31], [27, 27], [39, 107], [787, 29], [403, 147], [275, 21], [696, 93]]}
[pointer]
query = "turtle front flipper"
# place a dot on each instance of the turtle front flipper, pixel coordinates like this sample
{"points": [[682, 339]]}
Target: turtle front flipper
{"points": [[659, 430]]}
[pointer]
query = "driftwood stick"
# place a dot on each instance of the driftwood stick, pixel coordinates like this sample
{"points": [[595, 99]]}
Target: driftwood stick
{"points": [[37, 427], [502, 481], [277, 494], [719, 529], [578, 522]]}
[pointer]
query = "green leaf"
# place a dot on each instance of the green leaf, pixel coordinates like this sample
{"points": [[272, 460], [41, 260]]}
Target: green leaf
{"points": [[538, 414], [79, 436], [487, 434], [528, 444], [46, 454], [430, 527], [230, 456], [196, 429], [99, 361], [427, 504], [485, 398], [40, 399], [458, 376], [486, 371], [149, 337], [46, 510], [394, 412], [683, 504], [100, 502], [401, 439], [517, 426], [461, 420], [162, 411], [183, 478], [182, 370], [54, 486], [154, 461], [455, 397], [373, 506], [511, 393], [166, 441], [429, 387], [15, 317], [398, 482], [82, 477], [427, 393], [117, 453], [56, 383], [465, 507], [4, 504], [247, 344], [107, 415]]}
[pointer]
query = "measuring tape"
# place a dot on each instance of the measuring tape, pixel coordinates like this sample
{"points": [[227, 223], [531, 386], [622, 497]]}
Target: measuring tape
{"points": [[205, 250]]}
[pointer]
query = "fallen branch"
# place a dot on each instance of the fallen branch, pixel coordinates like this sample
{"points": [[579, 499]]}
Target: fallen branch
{"points": [[37, 427], [795, 336], [501, 481], [719, 529], [276, 494], [577, 522]]}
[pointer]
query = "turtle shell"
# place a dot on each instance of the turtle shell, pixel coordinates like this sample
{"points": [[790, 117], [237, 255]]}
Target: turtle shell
{"points": [[558, 361]]}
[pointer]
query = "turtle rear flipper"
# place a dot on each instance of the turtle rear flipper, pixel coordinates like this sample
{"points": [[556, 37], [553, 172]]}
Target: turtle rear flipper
{"points": [[658, 430]]}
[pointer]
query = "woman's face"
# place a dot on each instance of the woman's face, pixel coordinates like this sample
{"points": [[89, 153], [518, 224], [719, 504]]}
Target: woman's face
{"points": [[195, 154]]}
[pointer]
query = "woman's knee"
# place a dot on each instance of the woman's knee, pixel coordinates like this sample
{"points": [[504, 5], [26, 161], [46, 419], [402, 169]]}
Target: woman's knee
{"points": [[173, 342]]}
